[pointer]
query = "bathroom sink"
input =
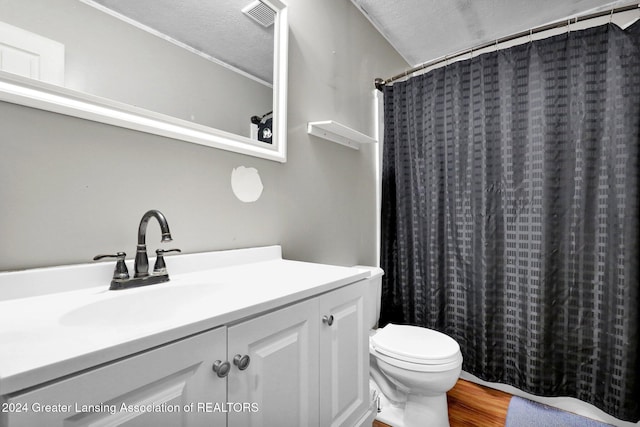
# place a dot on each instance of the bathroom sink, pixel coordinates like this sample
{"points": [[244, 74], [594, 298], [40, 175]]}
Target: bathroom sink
{"points": [[153, 304]]}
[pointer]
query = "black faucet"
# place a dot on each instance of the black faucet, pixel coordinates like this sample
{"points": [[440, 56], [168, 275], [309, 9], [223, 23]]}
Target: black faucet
{"points": [[141, 266], [141, 276]]}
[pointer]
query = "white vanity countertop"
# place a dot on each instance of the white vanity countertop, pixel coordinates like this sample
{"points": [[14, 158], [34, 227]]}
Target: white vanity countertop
{"points": [[49, 336]]}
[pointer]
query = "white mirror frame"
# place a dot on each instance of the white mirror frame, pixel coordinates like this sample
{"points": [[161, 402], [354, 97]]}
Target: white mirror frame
{"points": [[45, 96]]}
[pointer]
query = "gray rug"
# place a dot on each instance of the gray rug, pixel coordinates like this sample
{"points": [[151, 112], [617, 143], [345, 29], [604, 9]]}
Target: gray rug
{"points": [[526, 413]]}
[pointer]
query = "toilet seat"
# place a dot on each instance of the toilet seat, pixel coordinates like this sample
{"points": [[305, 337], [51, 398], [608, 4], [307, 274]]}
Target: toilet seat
{"points": [[418, 367], [416, 348]]}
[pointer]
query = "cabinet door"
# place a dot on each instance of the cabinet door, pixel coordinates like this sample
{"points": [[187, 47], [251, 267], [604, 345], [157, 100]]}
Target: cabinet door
{"points": [[344, 357], [155, 388], [279, 387]]}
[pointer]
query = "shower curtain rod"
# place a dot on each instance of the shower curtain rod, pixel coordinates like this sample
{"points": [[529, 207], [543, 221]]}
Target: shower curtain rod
{"points": [[379, 83]]}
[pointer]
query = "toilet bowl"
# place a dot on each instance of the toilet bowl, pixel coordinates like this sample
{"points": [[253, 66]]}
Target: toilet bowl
{"points": [[411, 368]]}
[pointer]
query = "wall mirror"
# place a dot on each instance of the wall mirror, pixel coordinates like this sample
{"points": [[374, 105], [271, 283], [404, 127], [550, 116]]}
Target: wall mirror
{"points": [[212, 73]]}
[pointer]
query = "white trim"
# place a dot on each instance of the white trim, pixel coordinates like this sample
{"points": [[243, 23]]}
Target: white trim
{"points": [[280, 76], [31, 93], [378, 122]]}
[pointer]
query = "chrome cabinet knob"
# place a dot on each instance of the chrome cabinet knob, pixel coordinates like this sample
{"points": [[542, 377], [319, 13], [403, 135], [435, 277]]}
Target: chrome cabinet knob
{"points": [[242, 362], [328, 319], [221, 368]]}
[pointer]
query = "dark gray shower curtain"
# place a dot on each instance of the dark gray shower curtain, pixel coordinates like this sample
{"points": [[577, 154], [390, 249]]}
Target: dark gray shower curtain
{"points": [[510, 213]]}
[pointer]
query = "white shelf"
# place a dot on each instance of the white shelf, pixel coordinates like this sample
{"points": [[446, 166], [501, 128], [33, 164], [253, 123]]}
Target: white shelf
{"points": [[339, 133]]}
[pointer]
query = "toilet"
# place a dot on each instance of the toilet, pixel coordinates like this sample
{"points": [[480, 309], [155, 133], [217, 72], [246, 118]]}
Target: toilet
{"points": [[411, 368]]}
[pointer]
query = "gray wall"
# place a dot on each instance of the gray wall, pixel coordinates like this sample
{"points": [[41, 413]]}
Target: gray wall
{"points": [[70, 188]]}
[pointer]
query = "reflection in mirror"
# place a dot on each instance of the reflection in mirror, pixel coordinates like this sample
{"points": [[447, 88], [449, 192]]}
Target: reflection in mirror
{"points": [[208, 63]]}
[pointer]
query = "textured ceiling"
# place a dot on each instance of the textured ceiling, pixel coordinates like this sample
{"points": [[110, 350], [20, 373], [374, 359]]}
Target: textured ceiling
{"points": [[217, 28], [423, 30]]}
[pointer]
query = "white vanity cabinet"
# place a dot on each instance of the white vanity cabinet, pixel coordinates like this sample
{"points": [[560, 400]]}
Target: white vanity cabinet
{"points": [[282, 375], [304, 364], [154, 388], [344, 357], [309, 363]]}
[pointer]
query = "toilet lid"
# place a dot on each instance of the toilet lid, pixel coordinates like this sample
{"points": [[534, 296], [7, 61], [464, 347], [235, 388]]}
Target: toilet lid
{"points": [[415, 344]]}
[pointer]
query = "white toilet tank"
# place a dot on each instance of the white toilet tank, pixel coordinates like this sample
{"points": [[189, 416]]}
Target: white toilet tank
{"points": [[374, 294]]}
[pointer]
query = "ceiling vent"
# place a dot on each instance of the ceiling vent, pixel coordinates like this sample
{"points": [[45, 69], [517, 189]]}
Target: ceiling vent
{"points": [[261, 13]]}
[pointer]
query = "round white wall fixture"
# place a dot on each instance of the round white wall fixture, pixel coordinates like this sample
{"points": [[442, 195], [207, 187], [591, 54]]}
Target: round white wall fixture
{"points": [[246, 184]]}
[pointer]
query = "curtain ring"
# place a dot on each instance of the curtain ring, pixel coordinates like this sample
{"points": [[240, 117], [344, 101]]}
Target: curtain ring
{"points": [[530, 35], [496, 45], [471, 53], [611, 17], [568, 26]]}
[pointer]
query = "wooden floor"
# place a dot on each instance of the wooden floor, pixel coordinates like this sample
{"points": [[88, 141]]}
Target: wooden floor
{"points": [[472, 405]]}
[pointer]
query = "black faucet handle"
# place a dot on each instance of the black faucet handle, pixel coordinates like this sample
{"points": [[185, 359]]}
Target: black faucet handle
{"points": [[160, 266], [166, 251], [121, 272], [117, 255]]}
